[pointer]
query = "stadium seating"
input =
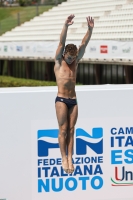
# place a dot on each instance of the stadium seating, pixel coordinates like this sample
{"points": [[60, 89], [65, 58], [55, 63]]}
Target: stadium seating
{"points": [[113, 20]]}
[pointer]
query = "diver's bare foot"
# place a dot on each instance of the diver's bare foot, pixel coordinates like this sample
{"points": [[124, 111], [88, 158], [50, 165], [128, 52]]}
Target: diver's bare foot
{"points": [[65, 165], [71, 166]]}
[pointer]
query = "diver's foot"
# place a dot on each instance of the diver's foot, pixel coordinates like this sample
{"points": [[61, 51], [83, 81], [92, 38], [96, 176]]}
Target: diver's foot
{"points": [[70, 166], [65, 165]]}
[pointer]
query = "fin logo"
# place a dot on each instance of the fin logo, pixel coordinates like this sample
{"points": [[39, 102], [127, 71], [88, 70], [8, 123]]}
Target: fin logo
{"points": [[83, 139]]}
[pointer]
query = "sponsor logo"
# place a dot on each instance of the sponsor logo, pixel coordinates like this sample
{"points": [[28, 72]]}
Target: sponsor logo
{"points": [[5, 48], [104, 49], [122, 156], [114, 48], [88, 170], [97, 133], [19, 48], [127, 50], [93, 49], [122, 177]]}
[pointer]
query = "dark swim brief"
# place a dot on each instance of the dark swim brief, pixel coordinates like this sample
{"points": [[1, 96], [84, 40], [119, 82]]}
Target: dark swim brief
{"points": [[69, 102]]}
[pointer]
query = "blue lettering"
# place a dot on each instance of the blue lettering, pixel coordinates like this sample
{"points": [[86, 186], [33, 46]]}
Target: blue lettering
{"points": [[45, 171], [112, 141], [41, 185], [63, 173], [39, 172], [129, 141], [100, 159], [74, 184], [54, 188], [88, 170], [129, 130], [94, 186], [39, 162], [54, 172], [45, 162], [78, 171], [126, 130], [115, 154], [98, 170], [113, 131], [120, 138], [129, 154], [94, 160], [77, 161], [87, 160], [52, 162], [83, 179], [58, 161], [58, 184], [129, 175], [121, 131]]}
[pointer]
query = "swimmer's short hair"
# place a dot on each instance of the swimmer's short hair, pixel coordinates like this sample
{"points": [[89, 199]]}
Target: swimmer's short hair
{"points": [[72, 49]]}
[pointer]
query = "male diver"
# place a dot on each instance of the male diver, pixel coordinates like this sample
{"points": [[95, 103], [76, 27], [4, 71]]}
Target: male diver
{"points": [[66, 64]]}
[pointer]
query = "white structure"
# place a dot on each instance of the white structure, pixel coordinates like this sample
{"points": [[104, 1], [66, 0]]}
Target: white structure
{"points": [[110, 17], [113, 21], [104, 126]]}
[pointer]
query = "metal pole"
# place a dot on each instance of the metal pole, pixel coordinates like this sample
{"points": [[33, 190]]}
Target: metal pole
{"points": [[0, 29], [18, 17], [37, 13], [56, 2], [1, 3]]}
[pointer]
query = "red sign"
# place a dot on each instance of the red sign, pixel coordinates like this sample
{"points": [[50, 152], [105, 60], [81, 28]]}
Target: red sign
{"points": [[103, 49]]}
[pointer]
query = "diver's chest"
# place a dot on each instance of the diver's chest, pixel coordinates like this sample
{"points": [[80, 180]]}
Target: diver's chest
{"points": [[65, 69], [67, 72]]}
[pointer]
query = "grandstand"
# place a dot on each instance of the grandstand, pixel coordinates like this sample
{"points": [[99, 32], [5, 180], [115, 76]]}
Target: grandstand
{"points": [[111, 41]]}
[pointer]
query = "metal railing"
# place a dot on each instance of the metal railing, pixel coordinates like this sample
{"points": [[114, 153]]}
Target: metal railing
{"points": [[27, 11], [12, 3], [86, 74], [20, 17]]}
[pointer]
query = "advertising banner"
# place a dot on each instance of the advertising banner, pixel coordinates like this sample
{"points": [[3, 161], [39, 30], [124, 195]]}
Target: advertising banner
{"points": [[31, 164], [103, 160], [95, 49]]}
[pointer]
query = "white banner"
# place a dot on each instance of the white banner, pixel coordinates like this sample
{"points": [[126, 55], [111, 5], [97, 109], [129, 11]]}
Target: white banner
{"points": [[95, 49], [31, 167], [103, 160]]}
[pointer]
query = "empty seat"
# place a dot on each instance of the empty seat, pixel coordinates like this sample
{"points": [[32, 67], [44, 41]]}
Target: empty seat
{"points": [[113, 20]]}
